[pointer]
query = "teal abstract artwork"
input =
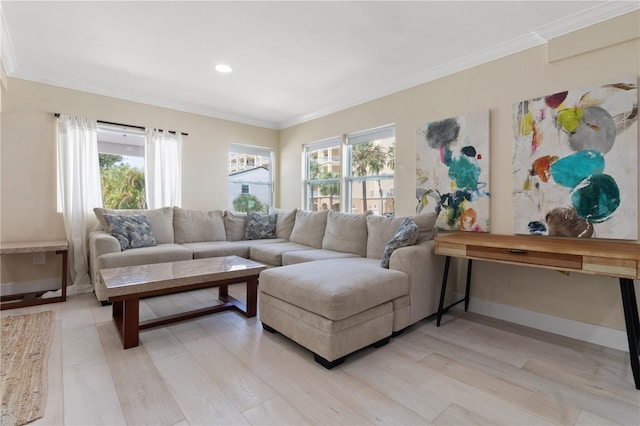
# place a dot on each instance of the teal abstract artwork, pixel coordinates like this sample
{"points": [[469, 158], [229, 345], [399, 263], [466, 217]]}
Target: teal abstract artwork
{"points": [[575, 163], [452, 171]]}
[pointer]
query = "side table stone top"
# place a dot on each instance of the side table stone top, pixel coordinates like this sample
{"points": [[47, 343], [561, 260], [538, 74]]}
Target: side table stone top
{"points": [[33, 247], [157, 276]]}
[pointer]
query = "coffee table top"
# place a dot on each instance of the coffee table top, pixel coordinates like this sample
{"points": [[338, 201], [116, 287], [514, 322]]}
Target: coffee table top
{"points": [[157, 276]]}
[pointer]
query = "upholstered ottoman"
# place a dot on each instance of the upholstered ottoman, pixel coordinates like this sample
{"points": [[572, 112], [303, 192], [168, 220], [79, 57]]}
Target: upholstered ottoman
{"points": [[332, 307]]}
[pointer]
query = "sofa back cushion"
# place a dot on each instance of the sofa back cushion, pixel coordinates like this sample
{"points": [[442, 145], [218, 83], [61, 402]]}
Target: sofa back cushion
{"points": [[285, 222], [194, 226], [161, 221], [346, 233], [309, 228], [381, 229], [235, 225]]}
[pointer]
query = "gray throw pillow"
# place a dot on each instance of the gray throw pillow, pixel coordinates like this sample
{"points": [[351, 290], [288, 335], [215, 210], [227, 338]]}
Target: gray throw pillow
{"points": [[131, 231], [406, 235], [261, 226]]}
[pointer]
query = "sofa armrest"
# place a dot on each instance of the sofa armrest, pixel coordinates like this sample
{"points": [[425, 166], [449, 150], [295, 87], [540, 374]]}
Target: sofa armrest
{"points": [[100, 242], [425, 270]]}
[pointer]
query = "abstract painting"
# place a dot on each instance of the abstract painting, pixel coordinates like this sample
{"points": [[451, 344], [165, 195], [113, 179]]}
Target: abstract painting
{"points": [[452, 171], [575, 163]]}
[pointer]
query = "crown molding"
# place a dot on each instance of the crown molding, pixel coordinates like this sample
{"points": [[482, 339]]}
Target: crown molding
{"points": [[536, 37], [6, 49], [127, 95], [585, 18]]}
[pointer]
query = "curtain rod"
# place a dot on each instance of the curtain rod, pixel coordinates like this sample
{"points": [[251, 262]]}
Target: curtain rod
{"points": [[57, 115]]}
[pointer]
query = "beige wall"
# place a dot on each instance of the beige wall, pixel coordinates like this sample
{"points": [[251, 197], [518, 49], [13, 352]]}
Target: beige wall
{"points": [[28, 159], [493, 86]]}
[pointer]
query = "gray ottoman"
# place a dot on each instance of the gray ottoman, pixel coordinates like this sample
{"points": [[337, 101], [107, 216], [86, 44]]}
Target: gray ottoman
{"points": [[332, 307]]}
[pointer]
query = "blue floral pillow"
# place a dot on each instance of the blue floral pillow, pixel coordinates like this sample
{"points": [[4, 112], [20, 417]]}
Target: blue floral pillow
{"points": [[131, 231], [406, 235], [260, 226]]}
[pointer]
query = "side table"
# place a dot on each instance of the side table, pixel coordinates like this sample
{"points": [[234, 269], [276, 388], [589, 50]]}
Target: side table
{"points": [[29, 299]]}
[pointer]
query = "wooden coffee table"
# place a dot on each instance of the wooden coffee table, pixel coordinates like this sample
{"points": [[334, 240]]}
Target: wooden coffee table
{"points": [[127, 285]]}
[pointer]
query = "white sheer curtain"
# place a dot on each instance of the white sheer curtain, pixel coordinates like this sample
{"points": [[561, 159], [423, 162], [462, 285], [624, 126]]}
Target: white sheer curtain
{"points": [[163, 158], [79, 191]]}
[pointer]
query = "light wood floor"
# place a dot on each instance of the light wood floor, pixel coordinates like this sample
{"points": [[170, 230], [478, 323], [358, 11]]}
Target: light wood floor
{"points": [[224, 369]]}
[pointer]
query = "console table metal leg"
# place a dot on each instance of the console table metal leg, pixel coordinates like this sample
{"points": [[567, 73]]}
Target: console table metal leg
{"points": [[466, 292], [443, 290], [630, 307]]}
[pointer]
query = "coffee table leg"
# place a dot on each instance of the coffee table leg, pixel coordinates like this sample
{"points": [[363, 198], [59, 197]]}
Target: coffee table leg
{"points": [[223, 292], [130, 323], [252, 297]]}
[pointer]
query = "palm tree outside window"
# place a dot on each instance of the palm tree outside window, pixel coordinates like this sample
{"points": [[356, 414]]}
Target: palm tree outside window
{"points": [[370, 170]]}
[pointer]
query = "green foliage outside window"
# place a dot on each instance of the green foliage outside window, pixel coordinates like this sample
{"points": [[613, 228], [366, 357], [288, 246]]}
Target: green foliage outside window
{"points": [[123, 186], [247, 203]]}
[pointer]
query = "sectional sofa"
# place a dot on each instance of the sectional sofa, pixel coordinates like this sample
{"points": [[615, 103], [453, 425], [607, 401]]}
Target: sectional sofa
{"points": [[325, 288]]}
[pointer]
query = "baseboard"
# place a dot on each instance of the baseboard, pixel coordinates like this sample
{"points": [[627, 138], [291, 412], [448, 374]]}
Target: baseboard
{"points": [[34, 286], [591, 333]]}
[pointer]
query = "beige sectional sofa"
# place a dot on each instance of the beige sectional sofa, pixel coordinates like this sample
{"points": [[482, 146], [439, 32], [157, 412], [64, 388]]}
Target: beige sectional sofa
{"points": [[325, 287]]}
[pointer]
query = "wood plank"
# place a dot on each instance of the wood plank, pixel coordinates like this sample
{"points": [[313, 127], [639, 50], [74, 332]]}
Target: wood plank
{"points": [[144, 397]]}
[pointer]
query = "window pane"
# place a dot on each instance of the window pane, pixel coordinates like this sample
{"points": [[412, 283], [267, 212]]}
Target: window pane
{"points": [[376, 195], [250, 180], [323, 163], [121, 157], [324, 196], [373, 158]]}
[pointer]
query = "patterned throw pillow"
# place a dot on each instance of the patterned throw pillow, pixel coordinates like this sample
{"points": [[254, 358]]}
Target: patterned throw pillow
{"points": [[260, 226], [131, 231], [406, 235]]}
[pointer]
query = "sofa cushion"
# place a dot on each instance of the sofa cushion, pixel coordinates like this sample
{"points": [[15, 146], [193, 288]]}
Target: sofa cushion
{"points": [[193, 226], [335, 289], [346, 232], [131, 230], [145, 255], [406, 235], [285, 222], [235, 225], [218, 248], [309, 228], [260, 226], [161, 221], [291, 257], [380, 229], [271, 254]]}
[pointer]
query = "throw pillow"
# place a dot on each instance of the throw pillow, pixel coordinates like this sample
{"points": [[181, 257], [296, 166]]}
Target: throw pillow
{"points": [[131, 231], [406, 235], [161, 221], [261, 226]]}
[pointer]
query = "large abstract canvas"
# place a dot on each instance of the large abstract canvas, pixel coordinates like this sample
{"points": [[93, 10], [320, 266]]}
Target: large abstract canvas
{"points": [[575, 163], [452, 171]]}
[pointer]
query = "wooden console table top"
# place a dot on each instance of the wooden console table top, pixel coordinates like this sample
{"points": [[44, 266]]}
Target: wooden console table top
{"points": [[613, 259]]}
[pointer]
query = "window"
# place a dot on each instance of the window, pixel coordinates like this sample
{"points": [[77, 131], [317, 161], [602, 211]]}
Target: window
{"points": [[322, 178], [121, 157], [250, 178], [370, 170]]}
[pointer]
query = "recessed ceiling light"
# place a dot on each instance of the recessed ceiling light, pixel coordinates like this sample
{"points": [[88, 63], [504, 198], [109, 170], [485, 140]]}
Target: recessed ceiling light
{"points": [[223, 68]]}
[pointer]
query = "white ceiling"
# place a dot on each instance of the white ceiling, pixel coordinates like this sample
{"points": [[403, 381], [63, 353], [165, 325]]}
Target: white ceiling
{"points": [[293, 61]]}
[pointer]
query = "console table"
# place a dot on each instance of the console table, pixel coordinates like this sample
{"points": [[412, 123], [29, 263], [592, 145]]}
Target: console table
{"points": [[29, 299], [613, 259]]}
